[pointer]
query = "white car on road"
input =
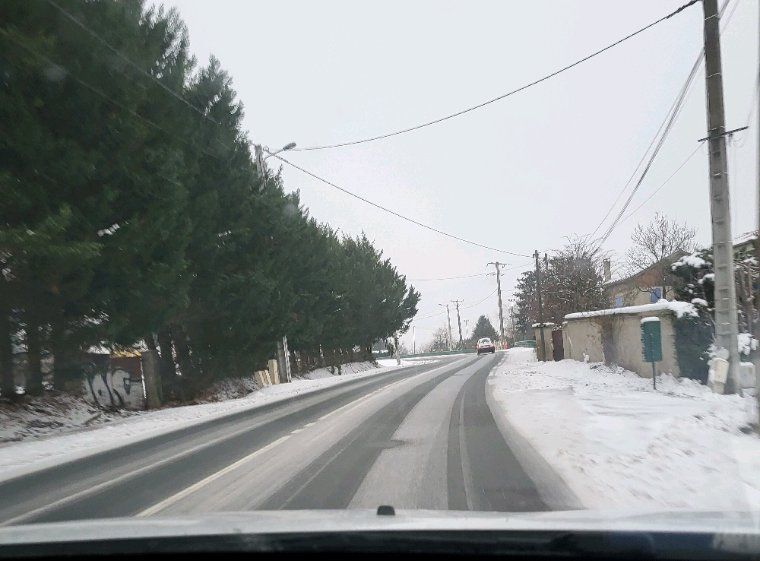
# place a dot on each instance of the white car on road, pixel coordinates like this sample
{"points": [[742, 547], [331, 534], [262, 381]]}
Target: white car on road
{"points": [[485, 345]]}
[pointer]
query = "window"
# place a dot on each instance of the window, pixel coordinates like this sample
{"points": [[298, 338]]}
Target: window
{"points": [[655, 294]]}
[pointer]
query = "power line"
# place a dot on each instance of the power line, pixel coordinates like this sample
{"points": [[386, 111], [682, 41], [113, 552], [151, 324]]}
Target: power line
{"points": [[645, 201], [470, 276], [671, 117], [479, 301], [393, 212], [97, 91], [502, 96], [450, 278], [126, 59]]}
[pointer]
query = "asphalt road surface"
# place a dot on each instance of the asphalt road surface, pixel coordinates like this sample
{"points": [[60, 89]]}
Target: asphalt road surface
{"points": [[418, 437]]}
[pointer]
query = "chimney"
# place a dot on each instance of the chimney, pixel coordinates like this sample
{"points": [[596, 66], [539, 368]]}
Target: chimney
{"points": [[607, 271]]}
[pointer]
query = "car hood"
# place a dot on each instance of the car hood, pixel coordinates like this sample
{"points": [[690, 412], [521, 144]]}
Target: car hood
{"points": [[326, 521]]}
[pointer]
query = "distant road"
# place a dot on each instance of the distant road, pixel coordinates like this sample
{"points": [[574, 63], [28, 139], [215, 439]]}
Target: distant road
{"points": [[418, 437]]}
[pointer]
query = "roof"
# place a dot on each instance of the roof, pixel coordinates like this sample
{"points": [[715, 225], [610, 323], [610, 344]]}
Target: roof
{"points": [[678, 308], [664, 262]]}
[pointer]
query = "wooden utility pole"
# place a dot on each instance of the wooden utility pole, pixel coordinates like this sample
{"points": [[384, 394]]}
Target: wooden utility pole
{"points": [[459, 323], [498, 267], [542, 355], [726, 330], [448, 319]]}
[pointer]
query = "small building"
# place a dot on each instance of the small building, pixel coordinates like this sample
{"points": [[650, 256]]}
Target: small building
{"points": [[647, 286], [614, 336]]}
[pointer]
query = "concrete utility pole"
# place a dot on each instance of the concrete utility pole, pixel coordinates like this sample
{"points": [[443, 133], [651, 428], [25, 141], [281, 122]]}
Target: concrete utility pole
{"points": [[498, 267], [756, 294], [720, 205], [459, 322], [542, 355], [448, 318]]}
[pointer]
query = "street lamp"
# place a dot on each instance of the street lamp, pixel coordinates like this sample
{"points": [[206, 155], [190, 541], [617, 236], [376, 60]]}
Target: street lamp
{"points": [[259, 150], [288, 146]]}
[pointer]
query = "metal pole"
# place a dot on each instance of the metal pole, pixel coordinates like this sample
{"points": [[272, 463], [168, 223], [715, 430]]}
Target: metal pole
{"points": [[720, 207], [654, 371], [540, 308]]}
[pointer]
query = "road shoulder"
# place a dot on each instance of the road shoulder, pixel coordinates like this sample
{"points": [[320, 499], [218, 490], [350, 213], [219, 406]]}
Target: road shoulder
{"points": [[552, 488]]}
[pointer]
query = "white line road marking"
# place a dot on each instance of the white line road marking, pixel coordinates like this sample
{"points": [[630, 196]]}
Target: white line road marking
{"points": [[105, 484], [125, 476], [158, 507]]}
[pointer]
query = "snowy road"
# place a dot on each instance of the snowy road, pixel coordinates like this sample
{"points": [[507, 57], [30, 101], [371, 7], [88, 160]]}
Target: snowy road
{"points": [[418, 437]]}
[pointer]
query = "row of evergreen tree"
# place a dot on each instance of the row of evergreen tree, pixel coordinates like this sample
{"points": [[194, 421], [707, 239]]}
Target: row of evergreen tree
{"points": [[131, 210]]}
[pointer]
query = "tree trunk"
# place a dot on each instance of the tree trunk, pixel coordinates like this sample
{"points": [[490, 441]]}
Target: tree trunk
{"points": [[166, 367], [150, 342], [33, 358], [191, 382], [66, 366], [7, 383]]}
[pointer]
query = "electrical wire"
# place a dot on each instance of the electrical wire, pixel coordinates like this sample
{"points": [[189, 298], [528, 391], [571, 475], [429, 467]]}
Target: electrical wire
{"points": [[502, 96], [450, 278], [97, 91], [126, 59], [670, 116], [472, 276], [393, 212], [645, 201], [479, 301]]}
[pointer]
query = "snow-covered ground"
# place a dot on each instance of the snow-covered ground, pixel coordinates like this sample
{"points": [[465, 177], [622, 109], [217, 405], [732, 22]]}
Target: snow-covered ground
{"points": [[618, 443], [54, 430]]}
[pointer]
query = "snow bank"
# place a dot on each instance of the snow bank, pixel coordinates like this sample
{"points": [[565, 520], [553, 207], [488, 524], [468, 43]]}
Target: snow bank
{"points": [[349, 368], [678, 308], [617, 443], [41, 448]]}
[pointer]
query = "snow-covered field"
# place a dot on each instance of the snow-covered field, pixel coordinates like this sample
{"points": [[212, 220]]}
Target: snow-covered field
{"points": [[617, 443], [54, 430]]}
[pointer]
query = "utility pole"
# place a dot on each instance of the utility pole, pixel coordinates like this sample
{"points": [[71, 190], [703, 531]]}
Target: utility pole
{"points": [[448, 318], [756, 293], [283, 354], [459, 323], [540, 308], [726, 329], [498, 267]]}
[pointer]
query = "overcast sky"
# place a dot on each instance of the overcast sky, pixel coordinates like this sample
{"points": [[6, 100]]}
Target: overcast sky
{"points": [[521, 174]]}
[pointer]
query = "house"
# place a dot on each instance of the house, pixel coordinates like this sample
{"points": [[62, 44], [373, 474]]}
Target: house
{"points": [[643, 287], [744, 245]]}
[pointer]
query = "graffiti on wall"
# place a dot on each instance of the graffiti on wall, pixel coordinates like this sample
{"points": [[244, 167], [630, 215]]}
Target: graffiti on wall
{"points": [[114, 384]]}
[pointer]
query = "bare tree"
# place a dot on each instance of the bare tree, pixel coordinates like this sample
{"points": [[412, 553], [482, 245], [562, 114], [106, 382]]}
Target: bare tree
{"points": [[440, 341], [574, 280], [657, 240]]}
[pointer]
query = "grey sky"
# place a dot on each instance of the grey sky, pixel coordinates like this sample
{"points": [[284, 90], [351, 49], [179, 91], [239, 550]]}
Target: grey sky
{"points": [[521, 174]]}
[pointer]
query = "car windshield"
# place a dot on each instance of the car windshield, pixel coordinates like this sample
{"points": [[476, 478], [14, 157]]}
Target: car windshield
{"points": [[452, 259]]}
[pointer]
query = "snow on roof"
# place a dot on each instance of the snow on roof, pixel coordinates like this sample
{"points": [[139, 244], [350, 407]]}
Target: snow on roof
{"points": [[745, 237], [649, 319], [678, 308], [545, 324], [692, 260]]}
